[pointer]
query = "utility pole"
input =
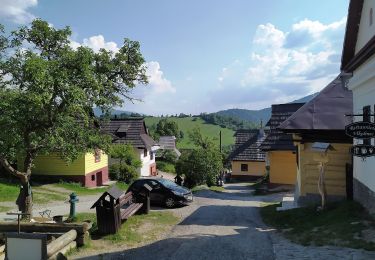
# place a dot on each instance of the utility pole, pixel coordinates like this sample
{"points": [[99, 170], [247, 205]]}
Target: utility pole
{"points": [[220, 140]]}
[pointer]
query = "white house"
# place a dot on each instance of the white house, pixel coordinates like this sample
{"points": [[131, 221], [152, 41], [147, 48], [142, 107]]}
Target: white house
{"points": [[358, 70], [134, 131]]}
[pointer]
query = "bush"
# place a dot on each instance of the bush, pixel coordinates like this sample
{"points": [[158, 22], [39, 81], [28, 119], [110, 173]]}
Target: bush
{"points": [[124, 172], [166, 166]]}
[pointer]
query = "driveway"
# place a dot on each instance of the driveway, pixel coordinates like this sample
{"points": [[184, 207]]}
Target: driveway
{"points": [[228, 226]]}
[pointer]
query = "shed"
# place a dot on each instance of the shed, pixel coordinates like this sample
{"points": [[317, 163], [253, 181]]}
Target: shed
{"points": [[279, 147], [108, 211], [323, 120]]}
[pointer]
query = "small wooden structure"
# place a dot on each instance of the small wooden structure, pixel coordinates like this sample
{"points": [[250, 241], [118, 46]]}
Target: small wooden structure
{"points": [[113, 207]]}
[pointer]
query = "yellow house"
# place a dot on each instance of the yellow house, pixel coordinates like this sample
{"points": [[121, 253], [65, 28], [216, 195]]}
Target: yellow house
{"points": [[279, 147], [247, 160], [90, 169], [322, 121]]}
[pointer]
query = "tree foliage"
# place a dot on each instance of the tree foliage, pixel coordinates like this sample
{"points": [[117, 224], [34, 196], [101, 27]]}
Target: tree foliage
{"points": [[225, 121], [48, 91], [201, 165], [128, 163], [167, 127]]}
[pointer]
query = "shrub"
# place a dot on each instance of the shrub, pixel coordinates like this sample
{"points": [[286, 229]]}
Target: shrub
{"points": [[166, 166], [124, 172]]}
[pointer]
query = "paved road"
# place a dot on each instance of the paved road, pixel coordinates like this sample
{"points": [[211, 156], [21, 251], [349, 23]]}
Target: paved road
{"points": [[228, 226]]}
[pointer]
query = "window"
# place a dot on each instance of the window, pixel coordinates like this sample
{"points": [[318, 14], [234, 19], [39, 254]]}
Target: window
{"points": [[370, 18], [97, 155], [151, 156], [244, 167], [93, 177], [145, 153], [367, 118]]}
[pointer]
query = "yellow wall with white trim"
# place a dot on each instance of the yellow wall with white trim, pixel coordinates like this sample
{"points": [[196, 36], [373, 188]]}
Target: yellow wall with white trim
{"points": [[254, 168]]}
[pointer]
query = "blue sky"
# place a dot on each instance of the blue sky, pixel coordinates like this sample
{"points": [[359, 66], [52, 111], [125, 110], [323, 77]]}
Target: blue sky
{"points": [[205, 56]]}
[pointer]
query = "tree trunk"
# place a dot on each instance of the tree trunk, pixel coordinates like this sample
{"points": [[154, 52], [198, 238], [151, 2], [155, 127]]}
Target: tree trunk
{"points": [[24, 200], [321, 185]]}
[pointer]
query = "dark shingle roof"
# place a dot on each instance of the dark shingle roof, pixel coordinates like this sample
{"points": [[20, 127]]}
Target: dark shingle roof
{"points": [[114, 192], [325, 112], [276, 139], [167, 142], [129, 131], [247, 145]]}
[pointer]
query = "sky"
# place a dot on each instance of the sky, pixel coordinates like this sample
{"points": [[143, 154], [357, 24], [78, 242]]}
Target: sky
{"points": [[207, 55]]}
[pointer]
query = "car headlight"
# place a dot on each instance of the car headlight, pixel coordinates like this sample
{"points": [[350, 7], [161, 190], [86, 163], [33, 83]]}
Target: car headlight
{"points": [[177, 193]]}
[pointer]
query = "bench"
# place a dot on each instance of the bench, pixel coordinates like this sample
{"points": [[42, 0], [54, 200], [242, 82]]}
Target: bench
{"points": [[131, 207]]}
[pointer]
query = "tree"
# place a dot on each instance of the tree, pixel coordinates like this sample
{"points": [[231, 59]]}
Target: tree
{"points": [[201, 165], [129, 163], [48, 91], [167, 127]]}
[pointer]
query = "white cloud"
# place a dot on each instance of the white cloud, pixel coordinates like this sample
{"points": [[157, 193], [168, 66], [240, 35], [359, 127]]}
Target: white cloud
{"points": [[96, 43], [304, 59], [156, 79], [17, 10]]}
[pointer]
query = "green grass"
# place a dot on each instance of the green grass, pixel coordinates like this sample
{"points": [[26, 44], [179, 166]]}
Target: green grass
{"points": [[9, 191], [166, 166], [340, 224], [137, 229], [44, 198], [4, 208], [204, 187], [189, 123], [81, 191]]}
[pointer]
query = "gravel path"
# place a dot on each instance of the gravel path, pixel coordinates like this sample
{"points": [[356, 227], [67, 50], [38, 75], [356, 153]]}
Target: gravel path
{"points": [[228, 226]]}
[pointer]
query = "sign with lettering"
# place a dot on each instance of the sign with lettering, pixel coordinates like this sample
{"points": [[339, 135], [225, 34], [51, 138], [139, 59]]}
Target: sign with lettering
{"points": [[361, 130], [362, 150]]}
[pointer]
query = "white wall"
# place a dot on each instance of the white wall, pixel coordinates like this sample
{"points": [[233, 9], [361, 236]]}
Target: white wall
{"points": [[366, 32], [363, 86], [146, 162]]}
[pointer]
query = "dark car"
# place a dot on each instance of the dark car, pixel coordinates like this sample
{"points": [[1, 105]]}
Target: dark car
{"points": [[164, 192]]}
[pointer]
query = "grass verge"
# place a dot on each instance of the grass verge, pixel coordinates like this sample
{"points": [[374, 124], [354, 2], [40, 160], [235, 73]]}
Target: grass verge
{"points": [[204, 187], [344, 224], [80, 191], [9, 191]]}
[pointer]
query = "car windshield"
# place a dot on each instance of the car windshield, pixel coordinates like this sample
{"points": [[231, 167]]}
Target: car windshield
{"points": [[168, 183]]}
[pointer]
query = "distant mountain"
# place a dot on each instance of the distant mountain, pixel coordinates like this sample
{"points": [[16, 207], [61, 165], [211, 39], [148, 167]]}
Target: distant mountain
{"points": [[256, 116], [98, 112]]}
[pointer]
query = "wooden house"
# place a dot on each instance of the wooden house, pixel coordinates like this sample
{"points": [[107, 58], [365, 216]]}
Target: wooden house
{"points": [[247, 159], [134, 131], [168, 143], [279, 147], [323, 120], [358, 72], [90, 169]]}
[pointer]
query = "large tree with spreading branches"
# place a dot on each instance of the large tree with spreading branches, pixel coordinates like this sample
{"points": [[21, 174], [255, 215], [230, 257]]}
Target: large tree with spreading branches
{"points": [[47, 94]]}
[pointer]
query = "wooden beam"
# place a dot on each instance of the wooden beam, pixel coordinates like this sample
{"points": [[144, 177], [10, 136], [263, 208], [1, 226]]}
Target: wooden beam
{"points": [[45, 227], [61, 242]]}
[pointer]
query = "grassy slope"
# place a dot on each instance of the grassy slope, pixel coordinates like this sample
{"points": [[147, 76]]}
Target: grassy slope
{"points": [[187, 124]]}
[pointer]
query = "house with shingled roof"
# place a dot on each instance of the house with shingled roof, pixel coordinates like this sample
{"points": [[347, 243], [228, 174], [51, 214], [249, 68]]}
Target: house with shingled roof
{"points": [[321, 121], [133, 131], [247, 159], [168, 143], [279, 147]]}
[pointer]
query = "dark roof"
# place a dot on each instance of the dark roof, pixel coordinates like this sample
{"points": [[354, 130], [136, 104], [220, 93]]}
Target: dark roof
{"points": [[167, 142], [276, 139], [247, 145], [129, 131], [324, 112], [350, 60], [113, 192]]}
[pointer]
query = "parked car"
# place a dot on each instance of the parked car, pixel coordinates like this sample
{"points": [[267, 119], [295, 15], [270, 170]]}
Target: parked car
{"points": [[164, 192]]}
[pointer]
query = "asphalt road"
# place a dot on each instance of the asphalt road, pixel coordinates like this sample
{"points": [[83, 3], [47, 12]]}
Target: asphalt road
{"points": [[216, 226]]}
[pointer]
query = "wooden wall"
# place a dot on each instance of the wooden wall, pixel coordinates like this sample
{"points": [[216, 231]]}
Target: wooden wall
{"points": [[335, 174], [254, 168], [283, 167]]}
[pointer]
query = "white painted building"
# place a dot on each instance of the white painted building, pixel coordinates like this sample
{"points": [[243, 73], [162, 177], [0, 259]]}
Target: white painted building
{"points": [[358, 67], [134, 131]]}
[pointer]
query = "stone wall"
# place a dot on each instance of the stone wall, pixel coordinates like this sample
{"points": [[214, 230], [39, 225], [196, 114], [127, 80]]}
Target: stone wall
{"points": [[364, 195]]}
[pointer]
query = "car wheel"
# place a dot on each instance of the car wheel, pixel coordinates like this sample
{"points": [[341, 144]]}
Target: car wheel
{"points": [[169, 202]]}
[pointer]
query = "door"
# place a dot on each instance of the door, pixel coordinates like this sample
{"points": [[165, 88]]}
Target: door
{"points": [[99, 179]]}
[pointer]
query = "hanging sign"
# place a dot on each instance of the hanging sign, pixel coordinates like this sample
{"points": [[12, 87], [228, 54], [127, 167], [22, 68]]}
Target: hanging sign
{"points": [[361, 130], [363, 150]]}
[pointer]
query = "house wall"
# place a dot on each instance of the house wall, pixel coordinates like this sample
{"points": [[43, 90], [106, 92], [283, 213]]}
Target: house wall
{"points": [[366, 32], [83, 170], [283, 167], [254, 168], [148, 166], [335, 172], [363, 86]]}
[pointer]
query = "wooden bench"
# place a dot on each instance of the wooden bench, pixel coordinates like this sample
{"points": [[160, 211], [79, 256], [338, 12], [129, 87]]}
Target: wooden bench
{"points": [[131, 206]]}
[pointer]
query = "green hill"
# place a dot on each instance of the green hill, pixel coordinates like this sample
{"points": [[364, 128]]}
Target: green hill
{"points": [[187, 124]]}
